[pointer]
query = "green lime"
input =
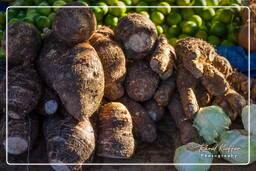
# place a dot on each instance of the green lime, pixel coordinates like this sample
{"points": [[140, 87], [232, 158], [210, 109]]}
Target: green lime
{"points": [[127, 2], [44, 11], [31, 11], [165, 27], [99, 13], [104, 6], [166, 9], [84, 3], [145, 13], [201, 34], [200, 3], [1, 35], [1, 53], [142, 3], [173, 31], [159, 29], [207, 13], [174, 19], [111, 20], [51, 16], [187, 13], [214, 40], [27, 2], [173, 41], [236, 8], [110, 2], [203, 26], [226, 16], [120, 11], [232, 36], [21, 15], [232, 27], [37, 2], [227, 43], [157, 17], [12, 13], [218, 29], [183, 36], [43, 22], [28, 19], [189, 27], [68, 1], [135, 2], [212, 2], [14, 20], [58, 3], [184, 2], [2, 18], [197, 19]]}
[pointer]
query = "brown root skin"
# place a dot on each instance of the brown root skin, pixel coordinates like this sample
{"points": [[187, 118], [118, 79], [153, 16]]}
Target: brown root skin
{"points": [[74, 25], [78, 79], [188, 133], [113, 62], [69, 136], [193, 56], [223, 65], [143, 127], [21, 134], [49, 102], [243, 37], [106, 32], [203, 97], [214, 81], [186, 85], [138, 34], [115, 132], [24, 91], [162, 59], [24, 42], [141, 82], [164, 92], [245, 14], [154, 110]]}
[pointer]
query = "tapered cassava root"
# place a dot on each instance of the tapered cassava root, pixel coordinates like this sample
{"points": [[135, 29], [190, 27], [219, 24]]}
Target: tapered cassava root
{"points": [[21, 136], [74, 25], [143, 127], [69, 141], [115, 132], [138, 34], [113, 61], [24, 91], [154, 110]]}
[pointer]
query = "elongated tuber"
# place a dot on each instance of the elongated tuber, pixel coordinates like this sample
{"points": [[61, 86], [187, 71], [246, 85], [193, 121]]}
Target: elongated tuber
{"points": [[165, 90], [162, 59], [115, 132], [113, 61], [24, 42], [187, 132], [24, 91], [154, 110], [141, 81], [143, 127], [49, 102], [77, 76], [21, 134], [69, 141], [138, 35], [74, 25], [186, 84], [251, 11], [202, 95]]}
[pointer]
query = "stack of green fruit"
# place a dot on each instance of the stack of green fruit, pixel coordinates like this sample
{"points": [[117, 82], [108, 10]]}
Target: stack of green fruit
{"points": [[217, 26]]}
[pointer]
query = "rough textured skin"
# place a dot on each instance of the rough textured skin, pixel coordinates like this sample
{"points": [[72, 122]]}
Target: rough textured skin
{"points": [[113, 61], [162, 59], [74, 25], [214, 81], [115, 132], [69, 141], [26, 129], [24, 42], [188, 133], [194, 53], [186, 85], [223, 65], [106, 32], [203, 97], [24, 91], [165, 90], [49, 102], [154, 110], [243, 37], [77, 76], [143, 127], [141, 81], [138, 34], [245, 14]]}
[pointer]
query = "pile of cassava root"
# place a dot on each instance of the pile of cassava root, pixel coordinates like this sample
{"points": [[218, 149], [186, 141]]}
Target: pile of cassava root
{"points": [[127, 79]]}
